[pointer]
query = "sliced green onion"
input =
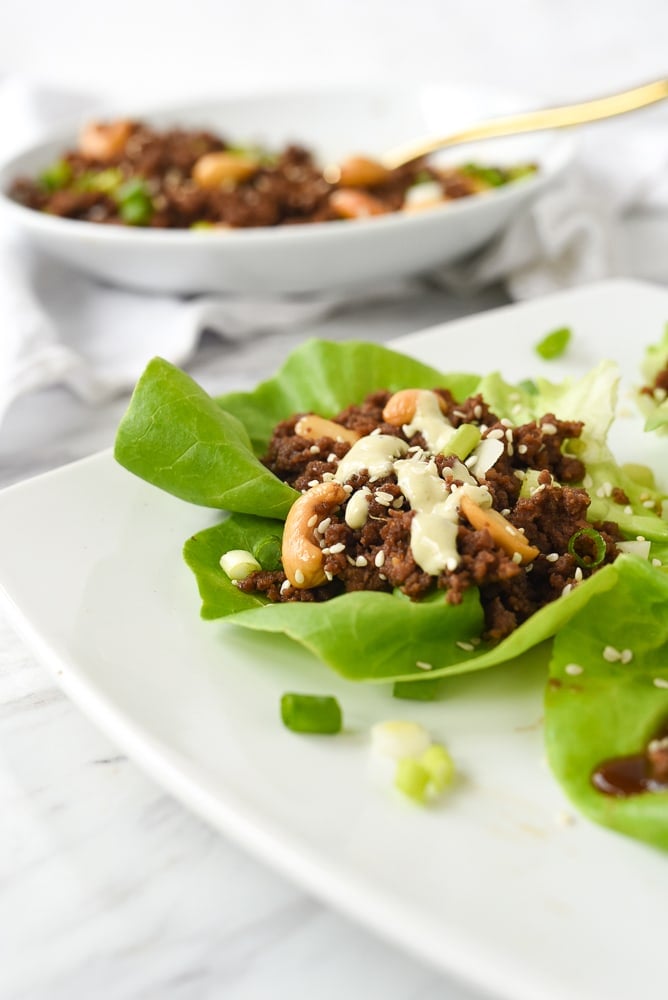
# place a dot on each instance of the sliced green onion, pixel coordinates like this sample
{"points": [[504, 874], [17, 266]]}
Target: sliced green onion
{"points": [[439, 765], [239, 564], [268, 552], [554, 344], [105, 181], [57, 176], [134, 203], [310, 713], [412, 779], [201, 224], [463, 441], [585, 561], [528, 385]]}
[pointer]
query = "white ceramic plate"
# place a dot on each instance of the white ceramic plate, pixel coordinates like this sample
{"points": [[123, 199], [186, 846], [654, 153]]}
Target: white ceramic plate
{"points": [[490, 886], [313, 257]]}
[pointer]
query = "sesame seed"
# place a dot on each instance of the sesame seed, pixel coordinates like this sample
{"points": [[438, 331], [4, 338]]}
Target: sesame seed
{"points": [[324, 525], [379, 559], [285, 586], [648, 503], [573, 669], [314, 449], [587, 481], [552, 557], [628, 509], [338, 547], [522, 449], [375, 432], [422, 665], [505, 422], [509, 435], [399, 502], [548, 428], [477, 411], [329, 576], [313, 482], [312, 520], [381, 576], [361, 561], [331, 457], [506, 511], [385, 499], [351, 561], [626, 655], [328, 477], [299, 576], [451, 564], [466, 646], [517, 558], [611, 654], [495, 433], [660, 682], [567, 589], [577, 576], [656, 562], [510, 449], [640, 538]]}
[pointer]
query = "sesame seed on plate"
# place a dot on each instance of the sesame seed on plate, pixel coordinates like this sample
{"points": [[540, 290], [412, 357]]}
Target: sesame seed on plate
{"points": [[660, 682], [573, 669]]}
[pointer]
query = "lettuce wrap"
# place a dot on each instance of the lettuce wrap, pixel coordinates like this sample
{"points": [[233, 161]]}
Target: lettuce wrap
{"points": [[207, 451]]}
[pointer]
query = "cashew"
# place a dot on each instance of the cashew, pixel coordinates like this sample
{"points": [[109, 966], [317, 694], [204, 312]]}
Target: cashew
{"points": [[502, 531], [348, 203], [400, 408], [104, 141], [360, 171], [312, 427], [301, 555], [215, 169]]}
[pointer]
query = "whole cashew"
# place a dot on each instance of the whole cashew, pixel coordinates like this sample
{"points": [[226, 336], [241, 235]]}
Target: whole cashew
{"points": [[360, 171], [400, 408], [312, 427], [104, 141], [215, 169], [502, 531], [301, 555], [351, 203]]}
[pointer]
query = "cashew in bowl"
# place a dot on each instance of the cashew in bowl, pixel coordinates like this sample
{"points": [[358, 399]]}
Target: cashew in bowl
{"points": [[217, 169], [301, 555], [104, 141]]}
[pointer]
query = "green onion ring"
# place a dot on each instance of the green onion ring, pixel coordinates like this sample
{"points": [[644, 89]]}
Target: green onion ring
{"points": [[599, 546]]}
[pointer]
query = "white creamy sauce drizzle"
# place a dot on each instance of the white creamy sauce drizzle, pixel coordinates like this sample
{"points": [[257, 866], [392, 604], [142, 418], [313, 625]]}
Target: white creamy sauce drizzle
{"points": [[375, 453], [434, 500], [357, 508], [435, 428], [436, 506]]}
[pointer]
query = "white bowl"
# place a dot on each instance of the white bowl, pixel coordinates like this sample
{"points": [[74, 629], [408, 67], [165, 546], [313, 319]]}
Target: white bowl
{"points": [[316, 256]]}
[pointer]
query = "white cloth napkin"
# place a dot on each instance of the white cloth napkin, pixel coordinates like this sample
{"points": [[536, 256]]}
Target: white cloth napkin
{"points": [[59, 327]]}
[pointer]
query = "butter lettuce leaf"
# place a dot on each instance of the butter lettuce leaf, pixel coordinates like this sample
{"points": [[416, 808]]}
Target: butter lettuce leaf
{"points": [[371, 636], [612, 709], [655, 360], [175, 436], [325, 377]]}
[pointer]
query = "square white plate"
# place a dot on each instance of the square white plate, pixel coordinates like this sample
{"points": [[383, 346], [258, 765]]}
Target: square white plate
{"points": [[490, 885]]}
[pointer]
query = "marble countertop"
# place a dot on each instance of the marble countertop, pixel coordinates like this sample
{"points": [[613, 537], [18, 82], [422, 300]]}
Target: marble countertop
{"points": [[110, 888]]}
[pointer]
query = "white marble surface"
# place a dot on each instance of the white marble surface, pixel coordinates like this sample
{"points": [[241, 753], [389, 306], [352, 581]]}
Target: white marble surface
{"points": [[109, 887]]}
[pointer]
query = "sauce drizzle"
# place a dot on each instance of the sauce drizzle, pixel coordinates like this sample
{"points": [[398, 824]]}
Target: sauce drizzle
{"points": [[637, 773]]}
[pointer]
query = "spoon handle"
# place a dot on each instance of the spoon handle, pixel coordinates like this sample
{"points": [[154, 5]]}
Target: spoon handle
{"points": [[536, 121]]}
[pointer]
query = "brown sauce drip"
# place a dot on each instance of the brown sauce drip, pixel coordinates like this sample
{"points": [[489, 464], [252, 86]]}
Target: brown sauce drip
{"points": [[636, 773]]}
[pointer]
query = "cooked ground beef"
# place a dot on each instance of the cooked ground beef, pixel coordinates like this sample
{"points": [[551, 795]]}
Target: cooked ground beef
{"points": [[378, 555], [128, 173], [659, 387]]}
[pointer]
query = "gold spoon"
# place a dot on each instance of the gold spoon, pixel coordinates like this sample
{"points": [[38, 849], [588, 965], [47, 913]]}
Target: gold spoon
{"points": [[535, 121]]}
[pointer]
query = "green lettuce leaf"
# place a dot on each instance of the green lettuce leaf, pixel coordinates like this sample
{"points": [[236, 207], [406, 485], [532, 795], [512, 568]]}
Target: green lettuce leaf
{"points": [[656, 359], [176, 437], [325, 377], [371, 636], [612, 709]]}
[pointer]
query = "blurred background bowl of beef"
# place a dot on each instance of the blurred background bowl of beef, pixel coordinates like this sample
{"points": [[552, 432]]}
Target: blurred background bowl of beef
{"points": [[314, 256]]}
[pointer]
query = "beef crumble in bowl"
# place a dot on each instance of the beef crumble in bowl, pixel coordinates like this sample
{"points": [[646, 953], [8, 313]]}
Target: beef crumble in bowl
{"points": [[273, 195]]}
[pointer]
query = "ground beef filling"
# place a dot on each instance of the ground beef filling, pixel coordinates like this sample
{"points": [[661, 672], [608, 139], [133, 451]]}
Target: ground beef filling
{"points": [[659, 387], [378, 555], [284, 188]]}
